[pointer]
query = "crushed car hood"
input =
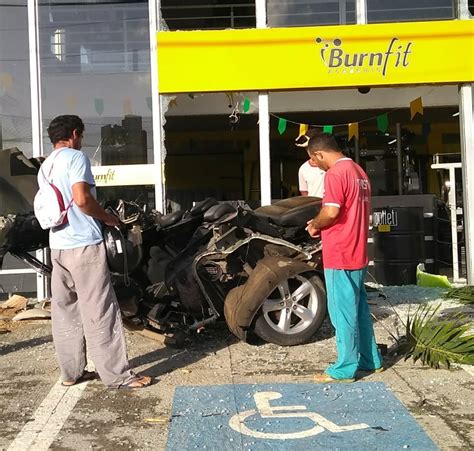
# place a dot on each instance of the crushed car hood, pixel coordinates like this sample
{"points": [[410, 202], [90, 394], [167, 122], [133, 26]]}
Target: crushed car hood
{"points": [[18, 184]]}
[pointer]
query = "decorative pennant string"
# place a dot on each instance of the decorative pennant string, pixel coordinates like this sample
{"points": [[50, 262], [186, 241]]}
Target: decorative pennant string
{"points": [[382, 120], [246, 106], [353, 130], [416, 106], [282, 125], [303, 129]]}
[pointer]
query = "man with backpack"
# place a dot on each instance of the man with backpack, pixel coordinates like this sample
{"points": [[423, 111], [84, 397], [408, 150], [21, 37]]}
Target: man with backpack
{"points": [[84, 305]]}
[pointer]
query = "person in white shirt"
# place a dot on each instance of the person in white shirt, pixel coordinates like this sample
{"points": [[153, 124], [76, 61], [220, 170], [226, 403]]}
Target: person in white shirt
{"points": [[311, 180], [310, 177]]}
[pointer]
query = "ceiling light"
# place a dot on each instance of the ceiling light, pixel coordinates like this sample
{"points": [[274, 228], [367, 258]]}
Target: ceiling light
{"points": [[456, 114], [393, 141]]}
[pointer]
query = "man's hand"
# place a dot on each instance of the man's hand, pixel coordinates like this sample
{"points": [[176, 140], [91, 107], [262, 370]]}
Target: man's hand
{"points": [[313, 231], [326, 218], [111, 220]]}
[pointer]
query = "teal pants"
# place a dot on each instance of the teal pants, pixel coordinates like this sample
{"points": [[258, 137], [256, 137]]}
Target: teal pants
{"points": [[350, 316]]}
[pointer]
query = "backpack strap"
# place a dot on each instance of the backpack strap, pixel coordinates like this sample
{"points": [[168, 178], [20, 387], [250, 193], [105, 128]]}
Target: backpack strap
{"points": [[51, 167], [49, 175]]}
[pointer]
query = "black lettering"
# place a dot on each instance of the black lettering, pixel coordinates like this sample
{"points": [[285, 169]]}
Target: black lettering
{"points": [[335, 57], [347, 62], [387, 55], [406, 53], [399, 54], [373, 56], [361, 58]]}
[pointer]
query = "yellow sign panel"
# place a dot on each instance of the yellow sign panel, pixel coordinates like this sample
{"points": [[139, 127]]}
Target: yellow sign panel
{"points": [[124, 175], [384, 228], [316, 57]]}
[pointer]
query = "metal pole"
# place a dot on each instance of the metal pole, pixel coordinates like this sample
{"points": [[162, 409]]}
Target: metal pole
{"points": [[42, 283], [158, 145], [454, 226], [361, 12], [35, 79], [466, 118], [462, 9], [399, 159], [264, 122], [342, 12], [264, 140]]}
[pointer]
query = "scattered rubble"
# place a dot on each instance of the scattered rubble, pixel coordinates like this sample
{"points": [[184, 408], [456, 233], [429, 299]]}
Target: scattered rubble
{"points": [[14, 304]]}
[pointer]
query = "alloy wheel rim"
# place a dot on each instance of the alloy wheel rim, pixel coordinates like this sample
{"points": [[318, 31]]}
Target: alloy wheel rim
{"points": [[295, 308]]}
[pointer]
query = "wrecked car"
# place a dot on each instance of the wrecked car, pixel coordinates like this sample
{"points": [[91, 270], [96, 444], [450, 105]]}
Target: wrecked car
{"points": [[256, 269]]}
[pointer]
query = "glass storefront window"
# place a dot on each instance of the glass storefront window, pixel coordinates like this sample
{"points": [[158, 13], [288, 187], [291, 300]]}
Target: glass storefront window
{"points": [[408, 10], [211, 149], [15, 101], [17, 185], [15, 108], [207, 14], [299, 13], [95, 62]]}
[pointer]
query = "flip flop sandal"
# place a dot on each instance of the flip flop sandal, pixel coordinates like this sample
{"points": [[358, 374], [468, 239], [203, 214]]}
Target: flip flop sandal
{"points": [[324, 378], [139, 382], [86, 376]]}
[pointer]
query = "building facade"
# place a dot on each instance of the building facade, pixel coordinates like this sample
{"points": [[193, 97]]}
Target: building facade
{"points": [[154, 134]]}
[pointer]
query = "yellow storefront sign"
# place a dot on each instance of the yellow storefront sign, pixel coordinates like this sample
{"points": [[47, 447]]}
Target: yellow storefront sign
{"points": [[124, 175], [316, 57]]}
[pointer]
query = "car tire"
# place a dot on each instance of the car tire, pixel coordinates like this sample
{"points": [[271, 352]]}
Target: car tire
{"points": [[293, 329]]}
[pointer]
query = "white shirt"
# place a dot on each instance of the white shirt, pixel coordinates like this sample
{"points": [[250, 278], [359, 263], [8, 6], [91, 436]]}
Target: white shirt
{"points": [[311, 179]]}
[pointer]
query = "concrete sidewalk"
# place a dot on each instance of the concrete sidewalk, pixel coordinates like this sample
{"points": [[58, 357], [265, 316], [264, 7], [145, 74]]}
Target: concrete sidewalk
{"points": [[93, 417]]}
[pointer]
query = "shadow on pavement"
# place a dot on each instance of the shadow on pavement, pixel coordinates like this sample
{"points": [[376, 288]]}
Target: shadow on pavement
{"points": [[4, 350], [197, 347]]}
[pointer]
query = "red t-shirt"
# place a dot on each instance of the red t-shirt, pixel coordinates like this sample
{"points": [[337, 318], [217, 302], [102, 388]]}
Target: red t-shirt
{"points": [[346, 186]]}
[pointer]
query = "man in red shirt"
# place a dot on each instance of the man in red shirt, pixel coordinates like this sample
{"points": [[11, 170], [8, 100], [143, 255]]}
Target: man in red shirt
{"points": [[344, 224]]}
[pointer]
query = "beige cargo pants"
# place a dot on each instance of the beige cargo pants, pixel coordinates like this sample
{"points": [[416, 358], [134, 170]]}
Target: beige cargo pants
{"points": [[85, 313]]}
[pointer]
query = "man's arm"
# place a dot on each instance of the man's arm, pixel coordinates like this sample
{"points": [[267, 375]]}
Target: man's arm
{"points": [[81, 193], [302, 184], [326, 217]]}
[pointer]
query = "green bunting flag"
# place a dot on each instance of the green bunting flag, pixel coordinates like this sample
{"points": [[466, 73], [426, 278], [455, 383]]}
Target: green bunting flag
{"points": [[382, 122], [99, 106], [246, 106], [281, 125], [327, 129]]}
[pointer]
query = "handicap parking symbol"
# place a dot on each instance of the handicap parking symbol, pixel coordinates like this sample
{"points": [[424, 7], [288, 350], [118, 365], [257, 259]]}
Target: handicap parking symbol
{"points": [[264, 417], [265, 410]]}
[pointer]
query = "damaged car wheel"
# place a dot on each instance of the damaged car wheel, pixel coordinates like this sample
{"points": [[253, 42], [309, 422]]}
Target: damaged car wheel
{"points": [[293, 312]]}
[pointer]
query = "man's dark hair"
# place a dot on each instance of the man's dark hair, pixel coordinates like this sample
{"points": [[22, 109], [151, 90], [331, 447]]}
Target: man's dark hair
{"points": [[323, 141], [62, 127]]}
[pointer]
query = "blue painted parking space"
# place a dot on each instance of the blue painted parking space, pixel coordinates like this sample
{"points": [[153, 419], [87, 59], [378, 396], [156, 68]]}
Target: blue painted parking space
{"points": [[359, 416]]}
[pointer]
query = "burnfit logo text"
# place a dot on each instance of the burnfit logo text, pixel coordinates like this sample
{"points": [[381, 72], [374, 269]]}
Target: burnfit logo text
{"points": [[396, 54]]}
